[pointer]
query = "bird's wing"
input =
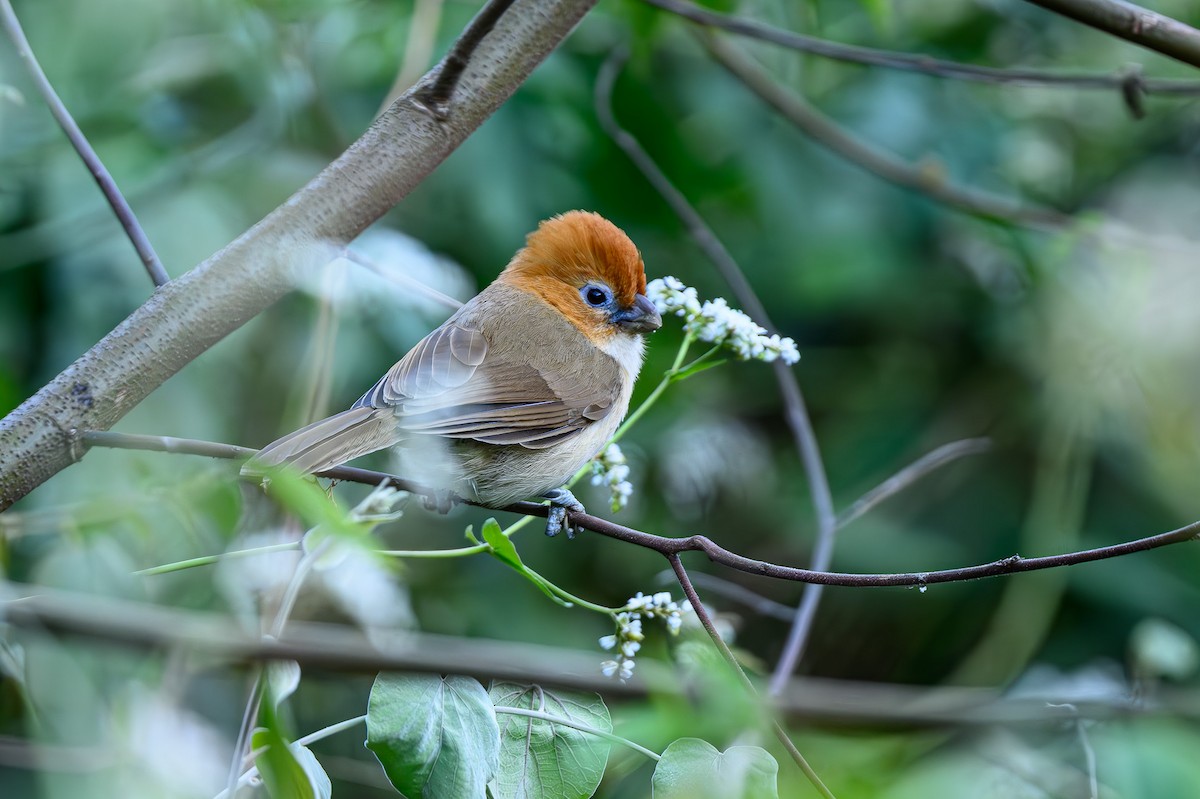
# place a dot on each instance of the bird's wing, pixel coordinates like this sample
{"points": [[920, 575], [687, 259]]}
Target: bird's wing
{"points": [[453, 384]]}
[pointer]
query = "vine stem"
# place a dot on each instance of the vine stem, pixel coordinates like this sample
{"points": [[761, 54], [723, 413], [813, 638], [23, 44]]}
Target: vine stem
{"points": [[537, 714]]}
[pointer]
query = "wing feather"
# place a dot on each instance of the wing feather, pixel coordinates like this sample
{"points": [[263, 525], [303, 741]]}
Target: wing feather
{"points": [[454, 384]]}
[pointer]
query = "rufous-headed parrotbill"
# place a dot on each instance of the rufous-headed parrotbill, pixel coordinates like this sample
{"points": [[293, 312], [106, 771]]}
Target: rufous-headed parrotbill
{"points": [[518, 389]]}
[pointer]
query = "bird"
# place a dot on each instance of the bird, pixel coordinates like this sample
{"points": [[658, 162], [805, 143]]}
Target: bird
{"points": [[517, 390]]}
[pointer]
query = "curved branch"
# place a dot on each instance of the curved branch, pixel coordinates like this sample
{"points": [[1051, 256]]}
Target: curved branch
{"points": [[1014, 564], [193, 312], [917, 62], [829, 134]]}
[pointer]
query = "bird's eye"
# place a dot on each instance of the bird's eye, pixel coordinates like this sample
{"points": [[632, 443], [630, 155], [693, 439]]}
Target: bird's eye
{"points": [[595, 296]]}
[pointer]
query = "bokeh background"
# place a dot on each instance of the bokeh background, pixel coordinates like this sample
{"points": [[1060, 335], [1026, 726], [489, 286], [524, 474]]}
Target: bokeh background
{"points": [[1075, 350]]}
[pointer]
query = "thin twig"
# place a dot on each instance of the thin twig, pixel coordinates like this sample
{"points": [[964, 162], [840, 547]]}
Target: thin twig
{"points": [[833, 136], [125, 215], [689, 591], [795, 409], [437, 95], [918, 62], [912, 473], [417, 287], [763, 606], [1014, 564]]}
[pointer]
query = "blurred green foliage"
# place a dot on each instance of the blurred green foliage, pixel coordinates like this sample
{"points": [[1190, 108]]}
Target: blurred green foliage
{"points": [[1076, 354]]}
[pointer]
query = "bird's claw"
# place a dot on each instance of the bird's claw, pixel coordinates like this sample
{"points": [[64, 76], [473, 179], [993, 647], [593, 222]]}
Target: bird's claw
{"points": [[441, 500], [561, 501]]}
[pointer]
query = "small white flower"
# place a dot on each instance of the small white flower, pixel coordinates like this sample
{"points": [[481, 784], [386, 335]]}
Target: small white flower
{"points": [[629, 635], [716, 323], [609, 468]]}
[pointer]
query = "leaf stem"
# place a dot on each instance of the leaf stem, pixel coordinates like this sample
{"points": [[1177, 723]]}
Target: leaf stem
{"points": [[574, 600], [668, 378]]}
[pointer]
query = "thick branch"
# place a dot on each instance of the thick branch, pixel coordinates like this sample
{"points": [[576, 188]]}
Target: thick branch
{"points": [[336, 648], [1134, 23], [193, 312]]}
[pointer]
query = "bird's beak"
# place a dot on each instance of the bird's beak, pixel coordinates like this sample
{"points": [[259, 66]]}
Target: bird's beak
{"points": [[641, 317]]}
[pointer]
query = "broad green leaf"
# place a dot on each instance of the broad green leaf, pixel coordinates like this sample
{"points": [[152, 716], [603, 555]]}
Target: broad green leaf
{"points": [[543, 760], [693, 769], [289, 770], [434, 736]]}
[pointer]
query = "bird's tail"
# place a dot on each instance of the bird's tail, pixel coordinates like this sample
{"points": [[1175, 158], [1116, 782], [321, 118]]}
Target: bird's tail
{"points": [[329, 442]]}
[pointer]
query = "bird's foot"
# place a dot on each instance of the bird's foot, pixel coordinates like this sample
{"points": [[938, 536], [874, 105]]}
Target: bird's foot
{"points": [[561, 501], [441, 500]]}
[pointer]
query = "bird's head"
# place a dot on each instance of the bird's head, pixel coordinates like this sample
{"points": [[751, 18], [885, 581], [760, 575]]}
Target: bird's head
{"points": [[588, 269]]}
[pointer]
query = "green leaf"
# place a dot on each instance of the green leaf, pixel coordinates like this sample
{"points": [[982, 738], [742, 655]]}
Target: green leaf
{"points": [[502, 546], [505, 550], [289, 770], [470, 534], [434, 736], [304, 497], [539, 758], [693, 769], [697, 368]]}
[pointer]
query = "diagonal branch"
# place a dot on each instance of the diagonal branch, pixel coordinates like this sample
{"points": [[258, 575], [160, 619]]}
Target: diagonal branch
{"points": [[910, 474], [706, 621], [1139, 25], [125, 215], [194, 311]]}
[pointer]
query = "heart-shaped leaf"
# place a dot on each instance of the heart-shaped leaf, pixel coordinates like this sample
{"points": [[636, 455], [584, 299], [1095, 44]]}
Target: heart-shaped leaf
{"points": [[693, 769], [434, 736], [539, 758]]}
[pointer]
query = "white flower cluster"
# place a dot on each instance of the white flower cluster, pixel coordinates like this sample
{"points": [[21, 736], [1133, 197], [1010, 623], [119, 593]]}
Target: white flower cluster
{"points": [[628, 638], [715, 322], [608, 468]]}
